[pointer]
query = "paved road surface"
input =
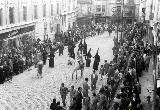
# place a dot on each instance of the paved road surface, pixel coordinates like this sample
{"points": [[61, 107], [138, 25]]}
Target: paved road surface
{"points": [[27, 92]]}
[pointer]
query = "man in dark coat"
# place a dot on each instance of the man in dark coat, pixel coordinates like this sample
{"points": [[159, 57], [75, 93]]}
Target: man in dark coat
{"points": [[79, 98], [88, 58], [44, 55], [96, 61], [51, 59]]}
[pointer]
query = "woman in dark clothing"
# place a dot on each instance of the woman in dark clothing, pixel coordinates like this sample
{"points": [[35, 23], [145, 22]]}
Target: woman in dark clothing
{"points": [[85, 48], [51, 59], [96, 61], [88, 58]]}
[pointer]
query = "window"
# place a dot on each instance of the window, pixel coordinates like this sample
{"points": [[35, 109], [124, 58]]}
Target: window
{"points": [[98, 8], [11, 15], [44, 10], [103, 8], [1, 17], [24, 13], [57, 8], [51, 9], [35, 12], [119, 8]]}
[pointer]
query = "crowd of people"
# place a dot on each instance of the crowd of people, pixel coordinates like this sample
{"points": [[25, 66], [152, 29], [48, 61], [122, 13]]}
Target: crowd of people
{"points": [[131, 57], [15, 59]]}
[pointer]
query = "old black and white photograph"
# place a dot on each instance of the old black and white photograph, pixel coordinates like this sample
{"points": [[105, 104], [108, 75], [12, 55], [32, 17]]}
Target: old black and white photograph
{"points": [[79, 54]]}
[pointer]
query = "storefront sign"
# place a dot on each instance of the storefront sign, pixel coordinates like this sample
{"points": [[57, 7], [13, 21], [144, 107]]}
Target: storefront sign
{"points": [[16, 32]]}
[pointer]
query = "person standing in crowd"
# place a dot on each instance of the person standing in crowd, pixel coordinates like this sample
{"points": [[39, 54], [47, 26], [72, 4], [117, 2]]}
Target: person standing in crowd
{"points": [[61, 48], [88, 58], [44, 55], [72, 94], [110, 32], [53, 105], [79, 58], [2, 77], [85, 88], [80, 46], [110, 71], [94, 102], [6, 70], [72, 51], [51, 59], [102, 100], [87, 103], [40, 67], [94, 78], [21, 64], [73, 104], [98, 30], [63, 93], [15, 65], [79, 98], [84, 48], [106, 67], [101, 71], [59, 107], [147, 61], [96, 61]]}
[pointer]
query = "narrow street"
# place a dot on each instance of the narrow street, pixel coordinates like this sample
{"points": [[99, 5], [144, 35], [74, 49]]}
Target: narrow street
{"points": [[27, 92]]}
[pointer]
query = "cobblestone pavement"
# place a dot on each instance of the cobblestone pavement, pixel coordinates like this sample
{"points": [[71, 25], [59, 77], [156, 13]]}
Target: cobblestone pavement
{"points": [[27, 92]]}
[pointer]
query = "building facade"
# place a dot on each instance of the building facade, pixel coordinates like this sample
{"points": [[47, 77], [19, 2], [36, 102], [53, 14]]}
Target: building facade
{"points": [[68, 14], [45, 15], [84, 12], [101, 9]]}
